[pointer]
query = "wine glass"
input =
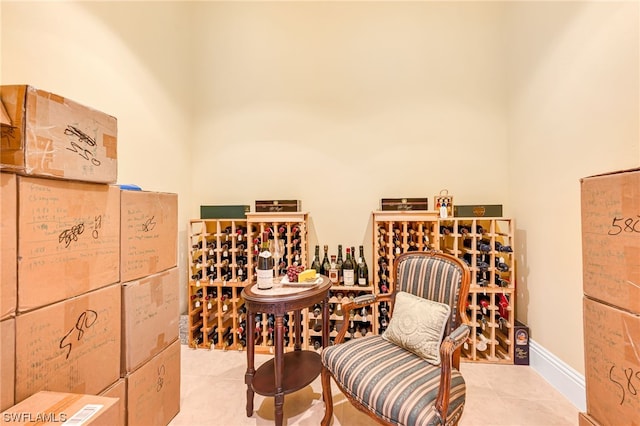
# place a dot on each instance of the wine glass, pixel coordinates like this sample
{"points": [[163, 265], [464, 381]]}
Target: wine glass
{"points": [[276, 246]]}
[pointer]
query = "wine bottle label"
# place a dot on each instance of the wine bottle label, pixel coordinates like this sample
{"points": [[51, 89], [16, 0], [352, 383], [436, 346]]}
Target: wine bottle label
{"points": [[197, 303], [198, 283], [209, 306], [264, 278], [333, 275], [362, 281], [348, 276]]}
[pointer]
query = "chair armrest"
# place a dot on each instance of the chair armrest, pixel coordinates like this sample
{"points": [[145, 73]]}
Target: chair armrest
{"points": [[449, 346], [356, 303]]}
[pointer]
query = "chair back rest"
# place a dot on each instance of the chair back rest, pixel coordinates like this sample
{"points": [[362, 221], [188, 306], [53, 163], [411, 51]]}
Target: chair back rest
{"points": [[435, 276]]}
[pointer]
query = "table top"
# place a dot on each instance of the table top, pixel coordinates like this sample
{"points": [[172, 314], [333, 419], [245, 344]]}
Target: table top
{"points": [[286, 298]]}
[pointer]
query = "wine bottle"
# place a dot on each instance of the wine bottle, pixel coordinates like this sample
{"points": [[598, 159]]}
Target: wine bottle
{"points": [[355, 264], [316, 261], [213, 336], [333, 271], [197, 340], [501, 265], [348, 272], [339, 263], [326, 265], [363, 270], [265, 266]]}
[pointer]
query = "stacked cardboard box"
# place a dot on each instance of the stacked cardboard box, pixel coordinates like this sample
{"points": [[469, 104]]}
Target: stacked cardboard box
{"points": [[51, 408], [150, 315], [8, 286], [611, 281], [89, 272]]}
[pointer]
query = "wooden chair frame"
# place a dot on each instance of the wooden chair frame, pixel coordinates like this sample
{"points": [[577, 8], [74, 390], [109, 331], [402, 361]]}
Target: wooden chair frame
{"points": [[450, 347]]}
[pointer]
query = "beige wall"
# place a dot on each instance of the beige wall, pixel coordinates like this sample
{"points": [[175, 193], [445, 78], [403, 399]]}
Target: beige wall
{"points": [[341, 104], [573, 112], [125, 60]]}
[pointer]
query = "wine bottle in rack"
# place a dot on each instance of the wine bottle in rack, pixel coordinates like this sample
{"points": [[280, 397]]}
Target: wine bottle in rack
{"points": [[363, 270], [197, 277], [334, 277], [348, 272], [197, 340], [503, 248], [316, 261], [339, 265], [326, 264], [210, 248], [196, 298], [264, 271], [501, 265], [213, 336]]}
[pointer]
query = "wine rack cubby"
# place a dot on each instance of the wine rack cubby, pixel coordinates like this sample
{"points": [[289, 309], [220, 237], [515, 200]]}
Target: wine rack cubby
{"points": [[485, 244]]}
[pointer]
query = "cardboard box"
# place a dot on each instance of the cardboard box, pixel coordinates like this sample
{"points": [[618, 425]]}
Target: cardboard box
{"points": [[55, 408], [224, 212], [150, 317], [4, 116], [118, 390], [585, 419], [53, 136], [8, 244], [521, 348], [69, 235], [400, 204], [7, 362], [70, 346], [612, 364], [611, 238], [153, 390], [149, 233], [278, 205]]}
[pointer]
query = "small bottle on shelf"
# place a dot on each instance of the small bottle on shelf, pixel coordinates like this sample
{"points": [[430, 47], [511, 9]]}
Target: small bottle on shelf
{"points": [[363, 270], [326, 265], [348, 270], [339, 263], [264, 271], [333, 271], [316, 261]]}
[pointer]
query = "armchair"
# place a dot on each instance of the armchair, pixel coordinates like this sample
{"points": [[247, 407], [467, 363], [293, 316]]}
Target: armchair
{"points": [[390, 383]]}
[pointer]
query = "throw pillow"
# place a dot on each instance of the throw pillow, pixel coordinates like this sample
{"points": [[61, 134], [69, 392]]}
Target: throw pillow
{"points": [[418, 325]]}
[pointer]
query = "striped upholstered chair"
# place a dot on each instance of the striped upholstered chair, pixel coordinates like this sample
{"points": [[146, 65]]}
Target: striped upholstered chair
{"points": [[391, 384]]}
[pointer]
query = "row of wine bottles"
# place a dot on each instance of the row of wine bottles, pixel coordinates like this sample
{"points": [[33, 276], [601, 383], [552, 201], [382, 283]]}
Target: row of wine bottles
{"points": [[349, 271]]}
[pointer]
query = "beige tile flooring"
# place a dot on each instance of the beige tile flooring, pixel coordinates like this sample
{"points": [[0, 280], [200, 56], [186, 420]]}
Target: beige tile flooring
{"points": [[213, 393]]}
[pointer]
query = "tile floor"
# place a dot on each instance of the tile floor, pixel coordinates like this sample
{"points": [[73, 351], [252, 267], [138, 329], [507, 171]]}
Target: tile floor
{"points": [[213, 393]]}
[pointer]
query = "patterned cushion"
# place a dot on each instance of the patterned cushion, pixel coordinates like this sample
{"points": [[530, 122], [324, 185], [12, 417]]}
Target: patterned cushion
{"points": [[431, 278], [417, 325], [393, 383]]}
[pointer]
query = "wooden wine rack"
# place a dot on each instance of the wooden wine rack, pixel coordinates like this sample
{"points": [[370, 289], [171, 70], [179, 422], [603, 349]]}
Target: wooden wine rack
{"points": [[218, 274], [295, 225], [215, 282], [491, 303]]}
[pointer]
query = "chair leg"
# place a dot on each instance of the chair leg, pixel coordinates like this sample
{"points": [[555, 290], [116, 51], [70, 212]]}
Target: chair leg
{"points": [[327, 397]]}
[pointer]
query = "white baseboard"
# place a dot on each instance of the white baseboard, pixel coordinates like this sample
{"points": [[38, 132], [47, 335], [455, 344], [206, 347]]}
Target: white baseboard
{"points": [[561, 376]]}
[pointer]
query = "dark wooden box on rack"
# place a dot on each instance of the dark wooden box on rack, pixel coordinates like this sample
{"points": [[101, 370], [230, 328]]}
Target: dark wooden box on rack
{"points": [[271, 206], [486, 210], [400, 204], [224, 212]]}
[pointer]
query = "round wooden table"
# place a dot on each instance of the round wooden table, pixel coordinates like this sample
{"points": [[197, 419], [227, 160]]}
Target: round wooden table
{"points": [[291, 371]]}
